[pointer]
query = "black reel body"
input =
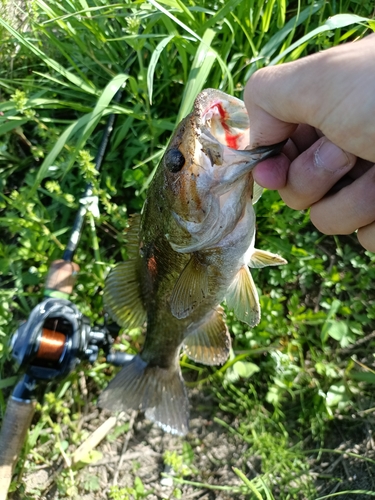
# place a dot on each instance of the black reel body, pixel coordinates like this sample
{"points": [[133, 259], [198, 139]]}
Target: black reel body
{"points": [[52, 341]]}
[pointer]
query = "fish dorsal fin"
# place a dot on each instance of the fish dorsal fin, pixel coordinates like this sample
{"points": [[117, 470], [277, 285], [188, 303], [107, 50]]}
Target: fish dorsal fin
{"points": [[191, 288], [132, 236], [122, 295], [257, 192], [242, 297], [211, 343], [262, 258]]}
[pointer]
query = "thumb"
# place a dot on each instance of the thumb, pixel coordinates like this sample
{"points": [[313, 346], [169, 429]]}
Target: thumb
{"points": [[265, 129]]}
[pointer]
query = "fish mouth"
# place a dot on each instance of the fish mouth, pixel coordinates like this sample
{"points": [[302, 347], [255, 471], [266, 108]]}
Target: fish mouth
{"points": [[224, 129], [223, 117]]}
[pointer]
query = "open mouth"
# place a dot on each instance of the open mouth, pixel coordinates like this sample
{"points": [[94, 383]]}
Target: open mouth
{"points": [[227, 122]]}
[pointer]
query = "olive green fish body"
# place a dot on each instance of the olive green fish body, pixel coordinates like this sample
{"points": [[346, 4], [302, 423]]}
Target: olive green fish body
{"points": [[189, 250]]}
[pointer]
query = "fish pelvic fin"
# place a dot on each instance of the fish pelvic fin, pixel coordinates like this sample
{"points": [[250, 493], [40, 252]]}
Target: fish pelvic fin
{"points": [[211, 343], [262, 258], [242, 297], [191, 288], [157, 391], [122, 295]]}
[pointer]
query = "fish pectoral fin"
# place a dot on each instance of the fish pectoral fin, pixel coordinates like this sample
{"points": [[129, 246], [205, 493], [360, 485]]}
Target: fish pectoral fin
{"points": [[122, 295], [157, 391], [257, 192], [242, 297], [262, 258], [210, 344], [191, 288]]}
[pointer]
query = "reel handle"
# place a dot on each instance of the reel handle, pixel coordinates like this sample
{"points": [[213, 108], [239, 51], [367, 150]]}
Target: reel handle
{"points": [[17, 420]]}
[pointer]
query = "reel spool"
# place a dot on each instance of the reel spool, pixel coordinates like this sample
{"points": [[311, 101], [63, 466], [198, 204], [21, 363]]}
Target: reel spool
{"points": [[52, 345]]}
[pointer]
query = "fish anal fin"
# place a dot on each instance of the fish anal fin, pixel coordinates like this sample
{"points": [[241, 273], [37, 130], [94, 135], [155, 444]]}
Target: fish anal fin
{"points": [[157, 391], [122, 295], [242, 297], [262, 258], [210, 344], [190, 289]]}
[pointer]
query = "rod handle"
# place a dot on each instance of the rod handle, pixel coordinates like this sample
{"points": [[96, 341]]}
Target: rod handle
{"points": [[61, 276], [17, 420]]}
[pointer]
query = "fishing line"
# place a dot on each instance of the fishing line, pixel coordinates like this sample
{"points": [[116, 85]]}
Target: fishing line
{"points": [[52, 345]]}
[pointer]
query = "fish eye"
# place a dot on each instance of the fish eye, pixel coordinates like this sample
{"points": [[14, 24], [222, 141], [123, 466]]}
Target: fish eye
{"points": [[174, 160]]}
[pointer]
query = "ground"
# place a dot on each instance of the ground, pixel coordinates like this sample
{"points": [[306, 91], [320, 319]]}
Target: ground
{"points": [[140, 451]]}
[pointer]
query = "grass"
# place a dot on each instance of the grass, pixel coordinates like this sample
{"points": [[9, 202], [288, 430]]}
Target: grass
{"points": [[303, 366]]}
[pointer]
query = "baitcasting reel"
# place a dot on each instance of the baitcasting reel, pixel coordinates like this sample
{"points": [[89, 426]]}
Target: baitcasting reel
{"points": [[54, 339]]}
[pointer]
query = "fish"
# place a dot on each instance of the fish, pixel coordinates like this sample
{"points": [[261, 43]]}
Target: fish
{"points": [[188, 250]]}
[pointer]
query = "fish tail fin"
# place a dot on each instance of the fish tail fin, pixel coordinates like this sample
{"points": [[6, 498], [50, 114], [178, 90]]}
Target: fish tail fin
{"points": [[157, 391]]}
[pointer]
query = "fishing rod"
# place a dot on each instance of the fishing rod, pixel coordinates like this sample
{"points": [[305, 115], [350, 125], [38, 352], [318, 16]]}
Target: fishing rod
{"points": [[54, 339]]}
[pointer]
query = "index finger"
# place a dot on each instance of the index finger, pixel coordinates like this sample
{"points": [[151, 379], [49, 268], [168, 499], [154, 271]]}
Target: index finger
{"points": [[331, 91]]}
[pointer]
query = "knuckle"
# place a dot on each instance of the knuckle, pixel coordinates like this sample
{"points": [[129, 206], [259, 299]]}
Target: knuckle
{"points": [[293, 200]]}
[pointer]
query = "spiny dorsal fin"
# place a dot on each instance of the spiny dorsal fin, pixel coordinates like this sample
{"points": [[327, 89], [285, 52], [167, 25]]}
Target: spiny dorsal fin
{"points": [[210, 344], [257, 192], [191, 288], [122, 295], [242, 297], [132, 236], [262, 258]]}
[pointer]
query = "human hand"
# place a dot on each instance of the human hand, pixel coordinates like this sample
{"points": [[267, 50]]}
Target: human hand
{"points": [[325, 104]]}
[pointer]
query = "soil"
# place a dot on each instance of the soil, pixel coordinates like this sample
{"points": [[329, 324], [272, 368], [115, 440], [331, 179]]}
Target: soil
{"points": [[139, 453], [345, 471]]}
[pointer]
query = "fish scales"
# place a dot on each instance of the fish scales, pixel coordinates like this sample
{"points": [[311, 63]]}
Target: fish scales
{"points": [[190, 249]]}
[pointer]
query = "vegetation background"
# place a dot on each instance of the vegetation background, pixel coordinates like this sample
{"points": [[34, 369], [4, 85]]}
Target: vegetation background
{"points": [[293, 410]]}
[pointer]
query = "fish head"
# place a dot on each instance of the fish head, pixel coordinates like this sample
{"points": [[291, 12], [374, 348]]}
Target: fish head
{"points": [[218, 124], [207, 168]]}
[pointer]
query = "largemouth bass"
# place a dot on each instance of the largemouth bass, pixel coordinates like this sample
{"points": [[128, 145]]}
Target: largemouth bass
{"points": [[190, 248]]}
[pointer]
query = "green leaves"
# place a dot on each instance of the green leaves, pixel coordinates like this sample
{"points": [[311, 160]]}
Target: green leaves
{"points": [[201, 66], [153, 62], [279, 37], [245, 369], [83, 127], [7, 125], [78, 81], [332, 23], [337, 395], [222, 13], [337, 329]]}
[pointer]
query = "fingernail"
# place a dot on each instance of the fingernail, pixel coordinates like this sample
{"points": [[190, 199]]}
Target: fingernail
{"points": [[330, 157]]}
